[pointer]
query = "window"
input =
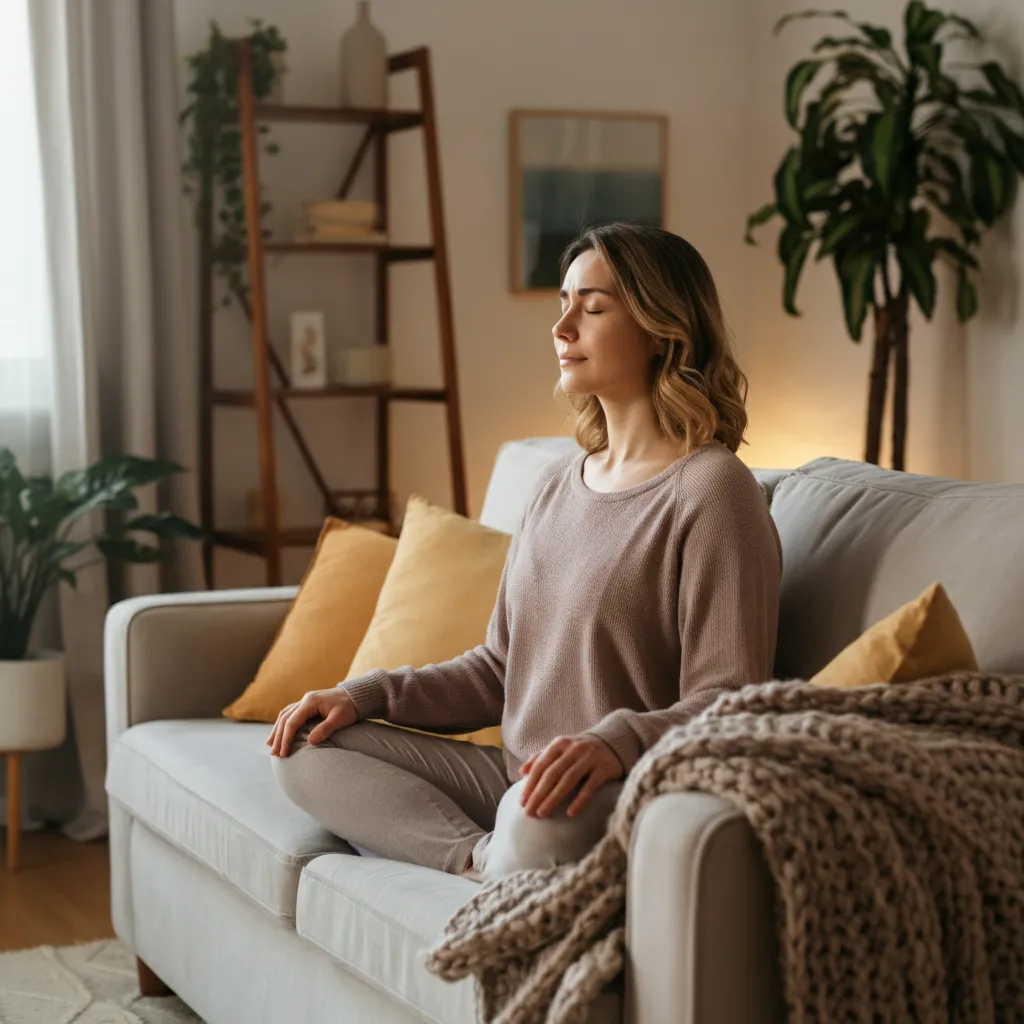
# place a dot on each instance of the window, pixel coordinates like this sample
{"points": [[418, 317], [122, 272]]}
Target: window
{"points": [[24, 301]]}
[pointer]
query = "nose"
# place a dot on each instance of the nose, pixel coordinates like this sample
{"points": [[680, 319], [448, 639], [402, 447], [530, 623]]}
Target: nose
{"points": [[563, 328]]}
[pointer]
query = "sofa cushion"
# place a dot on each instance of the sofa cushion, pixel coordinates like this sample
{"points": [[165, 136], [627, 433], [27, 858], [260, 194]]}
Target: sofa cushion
{"points": [[378, 917], [207, 787], [859, 541]]}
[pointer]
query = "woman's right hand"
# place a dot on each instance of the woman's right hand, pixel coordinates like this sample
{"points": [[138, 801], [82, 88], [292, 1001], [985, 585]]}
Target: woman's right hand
{"points": [[336, 706]]}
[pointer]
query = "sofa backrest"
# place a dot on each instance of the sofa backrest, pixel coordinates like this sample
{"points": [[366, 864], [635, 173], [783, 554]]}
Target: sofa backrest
{"points": [[859, 541], [516, 469]]}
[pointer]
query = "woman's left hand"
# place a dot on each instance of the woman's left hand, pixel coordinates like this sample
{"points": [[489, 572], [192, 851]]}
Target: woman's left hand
{"points": [[566, 761]]}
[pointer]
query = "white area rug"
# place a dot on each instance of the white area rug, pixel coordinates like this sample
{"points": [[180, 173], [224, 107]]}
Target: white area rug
{"points": [[94, 983]]}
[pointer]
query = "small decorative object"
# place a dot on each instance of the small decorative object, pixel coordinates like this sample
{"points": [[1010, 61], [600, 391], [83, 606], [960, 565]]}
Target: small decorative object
{"points": [[339, 220], [211, 115], [363, 364], [896, 165], [364, 64], [569, 170], [36, 547], [309, 350]]}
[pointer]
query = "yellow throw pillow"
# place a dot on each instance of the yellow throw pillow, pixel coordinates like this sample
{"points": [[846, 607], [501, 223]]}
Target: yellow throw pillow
{"points": [[325, 624], [437, 598], [924, 638]]}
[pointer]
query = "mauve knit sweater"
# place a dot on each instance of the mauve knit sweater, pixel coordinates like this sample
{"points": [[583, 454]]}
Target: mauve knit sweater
{"points": [[619, 614]]}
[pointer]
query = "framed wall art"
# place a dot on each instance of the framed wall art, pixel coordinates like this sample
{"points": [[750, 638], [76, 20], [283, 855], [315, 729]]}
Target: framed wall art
{"points": [[571, 169]]}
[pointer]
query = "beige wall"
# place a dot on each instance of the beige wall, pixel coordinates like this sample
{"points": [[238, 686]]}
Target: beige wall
{"points": [[717, 72], [809, 381]]}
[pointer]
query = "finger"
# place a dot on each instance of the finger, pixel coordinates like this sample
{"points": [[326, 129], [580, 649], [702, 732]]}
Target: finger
{"points": [[330, 724], [550, 779], [573, 772], [596, 780], [546, 757], [275, 736], [292, 725], [527, 765]]}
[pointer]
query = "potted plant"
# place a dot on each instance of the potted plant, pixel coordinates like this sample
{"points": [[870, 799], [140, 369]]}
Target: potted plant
{"points": [[898, 165], [38, 551], [213, 166]]}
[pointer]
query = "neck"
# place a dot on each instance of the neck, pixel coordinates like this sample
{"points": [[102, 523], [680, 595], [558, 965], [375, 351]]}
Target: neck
{"points": [[634, 434]]}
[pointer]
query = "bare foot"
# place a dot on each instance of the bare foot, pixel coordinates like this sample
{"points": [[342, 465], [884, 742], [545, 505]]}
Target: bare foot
{"points": [[470, 872]]}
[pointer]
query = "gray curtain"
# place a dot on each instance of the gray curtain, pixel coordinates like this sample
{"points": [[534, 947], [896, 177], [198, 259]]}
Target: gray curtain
{"points": [[124, 350]]}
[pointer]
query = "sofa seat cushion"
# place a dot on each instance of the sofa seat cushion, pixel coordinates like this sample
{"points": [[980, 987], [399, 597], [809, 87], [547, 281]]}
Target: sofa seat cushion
{"points": [[207, 787], [378, 917]]}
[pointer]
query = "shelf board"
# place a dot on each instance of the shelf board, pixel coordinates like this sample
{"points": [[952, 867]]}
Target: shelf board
{"points": [[392, 393], [254, 541], [389, 120], [392, 253]]}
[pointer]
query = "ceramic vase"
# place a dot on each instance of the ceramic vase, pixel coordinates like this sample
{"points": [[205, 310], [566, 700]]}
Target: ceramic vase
{"points": [[364, 63]]}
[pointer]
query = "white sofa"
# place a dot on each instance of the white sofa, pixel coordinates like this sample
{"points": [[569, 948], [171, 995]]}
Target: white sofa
{"points": [[253, 913]]}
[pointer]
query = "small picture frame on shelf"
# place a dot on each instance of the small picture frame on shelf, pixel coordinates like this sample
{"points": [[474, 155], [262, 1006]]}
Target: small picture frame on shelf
{"points": [[308, 350]]}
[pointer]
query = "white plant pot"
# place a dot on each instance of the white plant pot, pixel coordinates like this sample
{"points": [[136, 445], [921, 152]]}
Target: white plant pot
{"points": [[33, 702]]}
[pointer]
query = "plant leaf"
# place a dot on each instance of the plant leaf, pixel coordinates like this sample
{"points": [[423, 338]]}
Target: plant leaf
{"points": [[787, 188], [1003, 86], [757, 219], [966, 297], [797, 80], [916, 266], [837, 233], [1013, 144], [886, 149], [164, 524], [856, 276], [794, 266], [127, 550]]}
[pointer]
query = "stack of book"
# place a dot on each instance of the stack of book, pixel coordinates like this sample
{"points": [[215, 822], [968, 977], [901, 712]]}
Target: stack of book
{"points": [[339, 220]]}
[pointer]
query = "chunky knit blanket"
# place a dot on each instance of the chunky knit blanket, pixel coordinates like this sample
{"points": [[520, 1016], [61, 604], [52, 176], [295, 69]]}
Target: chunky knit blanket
{"points": [[892, 819]]}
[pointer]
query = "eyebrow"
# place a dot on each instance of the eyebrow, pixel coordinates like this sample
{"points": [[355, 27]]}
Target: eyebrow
{"points": [[586, 291]]}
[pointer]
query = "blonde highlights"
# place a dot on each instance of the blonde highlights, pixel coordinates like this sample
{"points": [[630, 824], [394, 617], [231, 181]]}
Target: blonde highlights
{"points": [[698, 390]]}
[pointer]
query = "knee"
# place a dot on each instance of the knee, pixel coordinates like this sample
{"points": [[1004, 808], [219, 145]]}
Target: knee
{"points": [[295, 773], [520, 842]]}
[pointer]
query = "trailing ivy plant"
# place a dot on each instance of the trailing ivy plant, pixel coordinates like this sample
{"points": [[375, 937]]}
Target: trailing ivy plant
{"points": [[213, 165], [899, 163]]}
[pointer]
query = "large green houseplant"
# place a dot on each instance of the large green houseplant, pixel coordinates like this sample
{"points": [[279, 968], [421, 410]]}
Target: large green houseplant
{"points": [[901, 160]]}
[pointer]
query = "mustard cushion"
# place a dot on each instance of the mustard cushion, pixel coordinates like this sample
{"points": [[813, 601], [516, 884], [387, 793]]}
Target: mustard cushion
{"points": [[924, 638], [437, 598], [315, 644]]}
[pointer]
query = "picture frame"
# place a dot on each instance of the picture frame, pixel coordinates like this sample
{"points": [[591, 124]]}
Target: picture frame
{"points": [[308, 349], [574, 169]]}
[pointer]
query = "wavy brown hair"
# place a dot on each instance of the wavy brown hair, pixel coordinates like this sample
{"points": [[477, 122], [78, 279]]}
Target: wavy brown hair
{"points": [[698, 390]]}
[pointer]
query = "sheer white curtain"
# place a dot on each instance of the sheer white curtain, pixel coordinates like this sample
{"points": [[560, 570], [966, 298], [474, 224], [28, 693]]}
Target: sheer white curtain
{"points": [[95, 310], [25, 392]]}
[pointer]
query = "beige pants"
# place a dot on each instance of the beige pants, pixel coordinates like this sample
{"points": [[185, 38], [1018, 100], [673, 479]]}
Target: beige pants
{"points": [[432, 801]]}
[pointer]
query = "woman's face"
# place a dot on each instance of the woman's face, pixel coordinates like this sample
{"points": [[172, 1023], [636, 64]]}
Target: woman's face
{"points": [[602, 350]]}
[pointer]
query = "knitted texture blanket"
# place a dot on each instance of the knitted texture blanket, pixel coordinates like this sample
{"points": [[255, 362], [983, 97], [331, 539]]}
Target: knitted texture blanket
{"points": [[892, 819]]}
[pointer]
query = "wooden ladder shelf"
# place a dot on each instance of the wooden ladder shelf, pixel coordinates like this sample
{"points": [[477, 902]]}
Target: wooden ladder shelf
{"points": [[272, 382]]}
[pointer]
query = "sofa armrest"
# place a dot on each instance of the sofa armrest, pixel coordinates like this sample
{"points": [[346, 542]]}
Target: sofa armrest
{"points": [[700, 917], [186, 655]]}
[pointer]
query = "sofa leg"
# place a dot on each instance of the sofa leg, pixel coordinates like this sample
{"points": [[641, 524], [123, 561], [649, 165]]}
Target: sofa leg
{"points": [[149, 983]]}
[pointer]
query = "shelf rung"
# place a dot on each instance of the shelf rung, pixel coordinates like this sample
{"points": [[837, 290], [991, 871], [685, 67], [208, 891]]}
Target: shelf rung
{"points": [[247, 399], [255, 541], [391, 253], [388, 120]]}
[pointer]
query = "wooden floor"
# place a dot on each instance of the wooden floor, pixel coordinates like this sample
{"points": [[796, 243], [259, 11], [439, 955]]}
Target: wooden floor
{"points": [[60, 895]]}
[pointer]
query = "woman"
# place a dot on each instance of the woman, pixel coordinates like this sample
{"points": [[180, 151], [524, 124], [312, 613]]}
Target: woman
{"points": [[641, 583]]}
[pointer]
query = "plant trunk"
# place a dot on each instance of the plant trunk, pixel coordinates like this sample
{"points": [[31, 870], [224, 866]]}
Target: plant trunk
{"points": [[878, 381], [901, 380]]}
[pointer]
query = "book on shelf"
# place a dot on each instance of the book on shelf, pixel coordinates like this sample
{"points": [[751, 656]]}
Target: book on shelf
{"points": [[355, 212], [313, 233]]}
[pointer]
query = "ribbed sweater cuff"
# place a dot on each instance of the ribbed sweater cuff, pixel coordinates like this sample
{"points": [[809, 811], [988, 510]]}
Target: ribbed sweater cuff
{"points": [[623, 741], [368, 694]]}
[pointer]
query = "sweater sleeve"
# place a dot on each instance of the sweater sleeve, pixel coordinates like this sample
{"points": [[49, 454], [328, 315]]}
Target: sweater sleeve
{"points": [[729, 580]]}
